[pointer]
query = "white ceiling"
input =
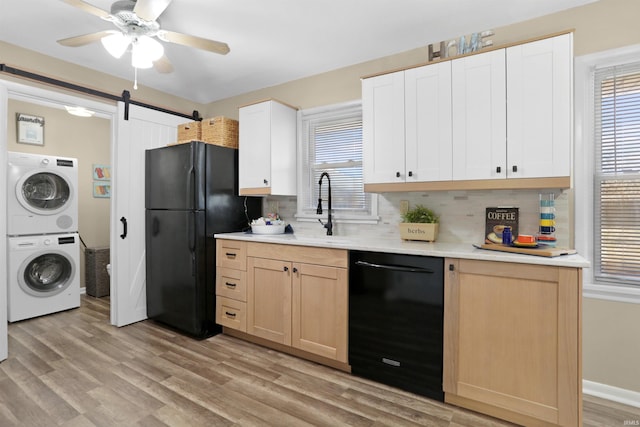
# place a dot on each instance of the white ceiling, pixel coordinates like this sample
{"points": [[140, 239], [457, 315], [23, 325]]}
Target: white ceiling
{"points": [[271, 42]]}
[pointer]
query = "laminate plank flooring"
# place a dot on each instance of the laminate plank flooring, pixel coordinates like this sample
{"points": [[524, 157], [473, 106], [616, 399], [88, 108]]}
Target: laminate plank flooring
{"points": [[74, 369]]}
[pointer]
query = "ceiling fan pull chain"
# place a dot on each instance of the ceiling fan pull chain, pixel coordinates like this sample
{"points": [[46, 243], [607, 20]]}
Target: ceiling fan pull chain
{"points": [[135, 78]]}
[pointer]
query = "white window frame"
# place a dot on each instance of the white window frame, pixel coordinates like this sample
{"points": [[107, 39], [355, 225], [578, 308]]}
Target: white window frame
{"points": [[303, 169], [584, 168]]}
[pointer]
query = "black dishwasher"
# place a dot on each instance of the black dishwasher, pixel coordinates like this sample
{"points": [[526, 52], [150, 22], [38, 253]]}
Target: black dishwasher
{"points": [[396, 306]]}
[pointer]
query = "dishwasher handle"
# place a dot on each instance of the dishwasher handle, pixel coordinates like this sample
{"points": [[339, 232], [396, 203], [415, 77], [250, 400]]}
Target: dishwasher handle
{"points": [[394, 267]]}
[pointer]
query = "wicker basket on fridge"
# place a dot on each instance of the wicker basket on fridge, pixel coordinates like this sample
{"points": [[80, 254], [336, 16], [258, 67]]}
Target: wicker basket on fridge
{"points": [[220, 131], [191, 131]]}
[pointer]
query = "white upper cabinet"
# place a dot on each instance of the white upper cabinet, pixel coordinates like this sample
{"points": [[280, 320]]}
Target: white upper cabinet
{"points": [[407, 125], [479, 116], [383, 149], [473, 121], [539, 108], [428, 123], [267, 149]]}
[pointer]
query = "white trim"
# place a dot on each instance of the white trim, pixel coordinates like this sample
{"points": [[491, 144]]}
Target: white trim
{"points": [[4, 343], [616, 293], [615, 394], [584, 168]]}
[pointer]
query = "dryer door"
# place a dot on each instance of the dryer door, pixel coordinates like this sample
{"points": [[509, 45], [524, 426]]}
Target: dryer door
{"points": [[46, 274], [44, 193]]}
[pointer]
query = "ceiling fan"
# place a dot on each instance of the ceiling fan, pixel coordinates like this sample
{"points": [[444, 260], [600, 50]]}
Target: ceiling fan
{"points": [[137, 27]]}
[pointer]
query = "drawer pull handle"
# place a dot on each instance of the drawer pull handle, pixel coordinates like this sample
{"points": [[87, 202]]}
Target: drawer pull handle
{"points": [[230, 254], [230, 314], [390, 362], [231, 285]]}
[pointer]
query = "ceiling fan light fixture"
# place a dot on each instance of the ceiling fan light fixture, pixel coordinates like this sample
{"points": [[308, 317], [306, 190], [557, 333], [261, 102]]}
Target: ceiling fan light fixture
{"points": [[116, 43], [145, 50], [139, 59]]}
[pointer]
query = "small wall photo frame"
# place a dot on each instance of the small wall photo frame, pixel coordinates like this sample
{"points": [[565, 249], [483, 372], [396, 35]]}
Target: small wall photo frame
{"points": [[101, 190], [101, 172], [30, 129]]}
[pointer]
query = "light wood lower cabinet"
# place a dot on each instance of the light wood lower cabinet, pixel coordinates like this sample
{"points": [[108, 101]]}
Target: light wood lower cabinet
{"points": [[296, 297], [512, 345], [231, 284], [269, 299], [320, 306]]}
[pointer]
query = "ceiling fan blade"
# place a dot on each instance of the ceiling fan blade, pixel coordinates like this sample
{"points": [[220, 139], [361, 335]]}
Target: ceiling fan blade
{"points": [[84, 39], [89, 8], [194, 41], [150, 10], [163, 65]]}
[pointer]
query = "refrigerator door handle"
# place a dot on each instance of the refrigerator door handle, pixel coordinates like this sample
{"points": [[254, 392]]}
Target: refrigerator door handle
{"points": [[192, 242], [191, 186], [192, 232]]}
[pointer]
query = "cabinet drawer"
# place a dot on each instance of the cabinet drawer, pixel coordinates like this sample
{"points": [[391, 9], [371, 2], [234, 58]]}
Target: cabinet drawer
{"points": [[231, 283], [231, 254], [231, 313]]}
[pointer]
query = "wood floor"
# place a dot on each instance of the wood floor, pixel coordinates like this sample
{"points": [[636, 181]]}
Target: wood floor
{"points": [[74, 369]]}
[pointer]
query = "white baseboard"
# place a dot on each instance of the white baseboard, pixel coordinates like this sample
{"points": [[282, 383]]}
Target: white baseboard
{"points": [[615, 394]]}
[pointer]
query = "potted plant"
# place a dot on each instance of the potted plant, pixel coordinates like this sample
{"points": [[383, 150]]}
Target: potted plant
{"points": [[419, 223]]}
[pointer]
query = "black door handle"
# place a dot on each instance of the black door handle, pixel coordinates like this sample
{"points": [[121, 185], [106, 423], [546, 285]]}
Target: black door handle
{"points": [[124, 223]]}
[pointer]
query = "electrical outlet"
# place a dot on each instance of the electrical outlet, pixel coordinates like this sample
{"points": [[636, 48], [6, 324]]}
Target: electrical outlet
{"points": [[404, 206], [273, 206]]}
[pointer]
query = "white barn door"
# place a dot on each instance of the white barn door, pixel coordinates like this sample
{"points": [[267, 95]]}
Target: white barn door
{"points": [[145, 129]]}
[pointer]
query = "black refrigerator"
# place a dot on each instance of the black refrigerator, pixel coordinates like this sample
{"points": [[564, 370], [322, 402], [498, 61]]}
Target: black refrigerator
{"points": [[191, 194]]}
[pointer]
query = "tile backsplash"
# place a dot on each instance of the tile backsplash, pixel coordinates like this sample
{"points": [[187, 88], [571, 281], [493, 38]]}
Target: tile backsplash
{"points": [[461, 214]]}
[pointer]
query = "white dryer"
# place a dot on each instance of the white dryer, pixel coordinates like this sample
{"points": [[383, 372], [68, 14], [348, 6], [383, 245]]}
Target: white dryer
{"points": [[42, 194], [43, 275]]}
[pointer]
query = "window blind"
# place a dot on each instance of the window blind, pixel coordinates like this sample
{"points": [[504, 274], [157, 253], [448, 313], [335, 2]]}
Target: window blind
{"points": [[331, 141], [617, 174]]}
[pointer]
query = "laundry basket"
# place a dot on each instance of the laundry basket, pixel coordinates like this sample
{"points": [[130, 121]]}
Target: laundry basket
{"points": [[96, 277]]}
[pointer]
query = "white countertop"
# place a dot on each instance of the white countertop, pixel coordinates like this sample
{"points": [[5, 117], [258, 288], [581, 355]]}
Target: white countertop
{"points": [[375, 244]]}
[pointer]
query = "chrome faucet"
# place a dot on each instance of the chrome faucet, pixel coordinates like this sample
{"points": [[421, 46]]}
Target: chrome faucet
{"points": [[328, 225]]}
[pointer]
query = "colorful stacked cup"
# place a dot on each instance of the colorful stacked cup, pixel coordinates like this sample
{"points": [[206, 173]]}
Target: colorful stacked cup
{"points": [[547, 229]]}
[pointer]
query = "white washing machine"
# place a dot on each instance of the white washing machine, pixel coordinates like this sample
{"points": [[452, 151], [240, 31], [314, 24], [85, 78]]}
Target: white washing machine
{"points": [[43, 275], [42, 194]]}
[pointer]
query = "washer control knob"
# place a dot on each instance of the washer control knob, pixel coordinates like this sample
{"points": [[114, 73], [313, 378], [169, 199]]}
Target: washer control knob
{"points": [[46, 242], [45, 162]]}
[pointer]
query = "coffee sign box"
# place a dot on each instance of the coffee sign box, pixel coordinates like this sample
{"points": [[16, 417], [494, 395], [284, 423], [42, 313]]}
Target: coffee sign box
{"points": [[498, 217]]}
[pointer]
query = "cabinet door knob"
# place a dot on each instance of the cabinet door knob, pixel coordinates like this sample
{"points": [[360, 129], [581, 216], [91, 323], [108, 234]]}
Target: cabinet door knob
{"points": [[295, 270], [498, 169], [286, 268], [514, 168], [397, 174], [265, 182], [410, 173]]}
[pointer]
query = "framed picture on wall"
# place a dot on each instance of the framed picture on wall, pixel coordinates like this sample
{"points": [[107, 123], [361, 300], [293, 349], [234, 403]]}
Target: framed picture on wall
{"points": [[30, 129], [101, 172], [101, 189]]}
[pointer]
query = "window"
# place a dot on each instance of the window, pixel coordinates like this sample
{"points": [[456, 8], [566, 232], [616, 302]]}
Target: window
{"points": [[617, 174], [331, 141]]}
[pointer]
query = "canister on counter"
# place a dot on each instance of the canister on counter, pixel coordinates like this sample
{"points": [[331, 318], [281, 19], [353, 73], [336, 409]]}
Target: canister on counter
{"points": [[506, 235]]}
